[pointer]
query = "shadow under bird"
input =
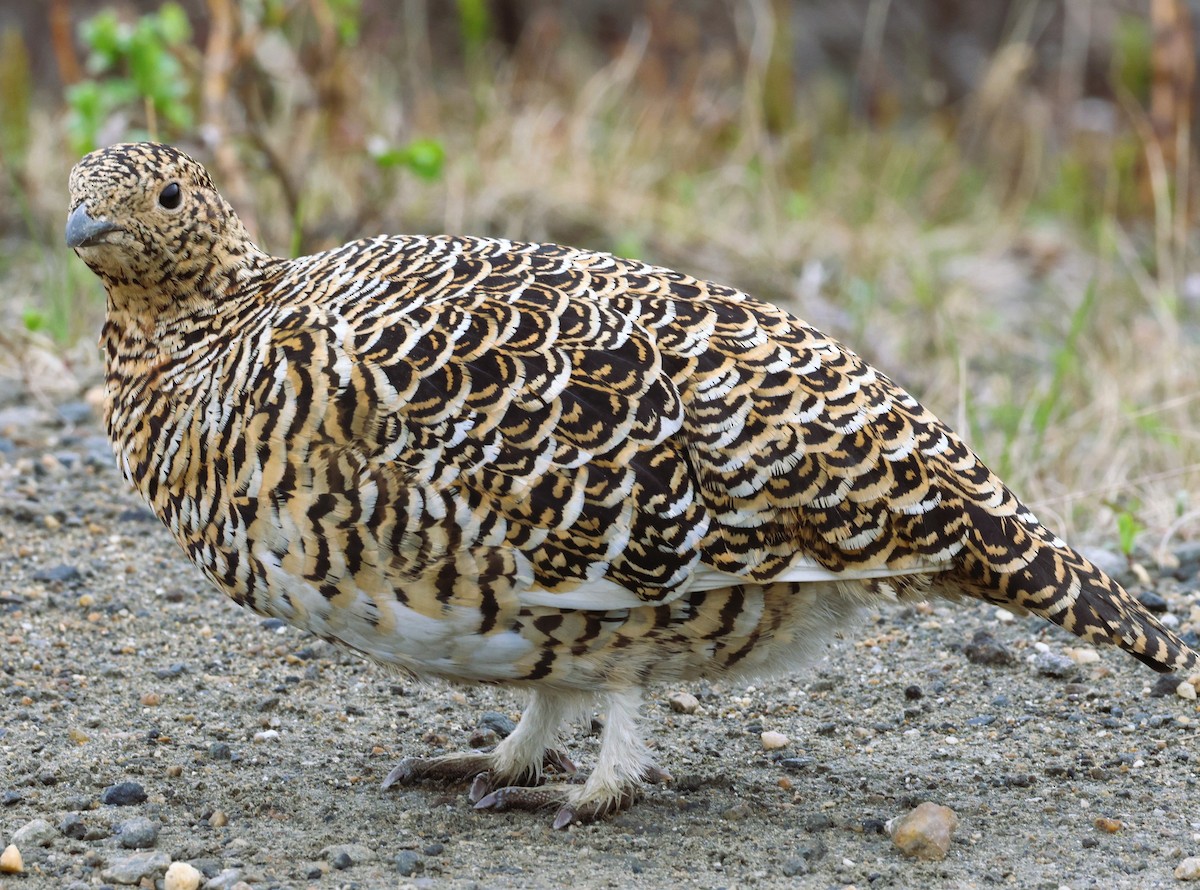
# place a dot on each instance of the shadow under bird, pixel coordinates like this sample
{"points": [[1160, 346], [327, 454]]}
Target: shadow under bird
{"points": [[537, 466]]}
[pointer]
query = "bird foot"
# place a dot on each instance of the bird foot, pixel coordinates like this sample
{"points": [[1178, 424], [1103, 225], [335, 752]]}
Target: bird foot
{"points": [[572, 810], [479, 767]]}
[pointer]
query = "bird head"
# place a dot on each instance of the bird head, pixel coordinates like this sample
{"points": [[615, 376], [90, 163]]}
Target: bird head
{"points": [[148, 220]]}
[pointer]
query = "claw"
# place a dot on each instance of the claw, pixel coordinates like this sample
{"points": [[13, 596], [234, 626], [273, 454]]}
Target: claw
{"points": [[656, 775], [402, 773], [565, 816], [558, 760], [479, 788]]}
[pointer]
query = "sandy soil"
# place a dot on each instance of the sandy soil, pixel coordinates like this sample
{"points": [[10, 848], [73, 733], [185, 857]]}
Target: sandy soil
{"points": [[260, 750]]}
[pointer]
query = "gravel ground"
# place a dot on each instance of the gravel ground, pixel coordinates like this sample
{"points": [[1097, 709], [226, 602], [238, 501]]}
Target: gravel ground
{"points": [[256, 752]]}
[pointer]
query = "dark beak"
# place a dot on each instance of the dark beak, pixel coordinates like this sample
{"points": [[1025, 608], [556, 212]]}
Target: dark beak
{"points": [[83, 231]]}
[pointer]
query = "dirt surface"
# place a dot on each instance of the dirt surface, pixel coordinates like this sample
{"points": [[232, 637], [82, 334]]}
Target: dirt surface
{"points": [[260, 750]]}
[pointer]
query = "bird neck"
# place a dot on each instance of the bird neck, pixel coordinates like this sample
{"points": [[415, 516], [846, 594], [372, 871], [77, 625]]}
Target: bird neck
{"points": [[196, 285]]}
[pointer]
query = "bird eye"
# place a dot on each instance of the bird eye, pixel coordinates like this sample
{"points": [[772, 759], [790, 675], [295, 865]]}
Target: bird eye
{"points": [[170, 196]]}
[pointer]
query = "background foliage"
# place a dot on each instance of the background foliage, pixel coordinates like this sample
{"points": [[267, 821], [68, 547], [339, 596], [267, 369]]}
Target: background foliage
{"points": [[995, 203]]}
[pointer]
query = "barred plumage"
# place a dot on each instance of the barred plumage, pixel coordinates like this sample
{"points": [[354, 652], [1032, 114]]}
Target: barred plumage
{"points": [[497, 462]]}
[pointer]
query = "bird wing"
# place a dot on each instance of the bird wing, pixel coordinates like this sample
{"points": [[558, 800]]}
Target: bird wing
{"points": [[631, 432]]}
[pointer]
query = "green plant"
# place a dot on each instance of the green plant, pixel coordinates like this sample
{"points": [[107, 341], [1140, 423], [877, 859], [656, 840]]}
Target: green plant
{"points": [[132, 65]]}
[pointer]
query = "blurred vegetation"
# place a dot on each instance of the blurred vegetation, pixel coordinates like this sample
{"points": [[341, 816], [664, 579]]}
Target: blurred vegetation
{"points": [[1013, 239]]}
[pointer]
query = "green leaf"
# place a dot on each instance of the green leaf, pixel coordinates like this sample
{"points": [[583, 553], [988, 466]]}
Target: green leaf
{"points": [[173, 25]]}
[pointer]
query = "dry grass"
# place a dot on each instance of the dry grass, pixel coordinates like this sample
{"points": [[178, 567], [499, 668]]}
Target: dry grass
{"points": [[1004, 285]]}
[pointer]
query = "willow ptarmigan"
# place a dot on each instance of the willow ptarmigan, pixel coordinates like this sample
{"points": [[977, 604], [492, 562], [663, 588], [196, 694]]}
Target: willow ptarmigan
{"points": [[528, 464]]}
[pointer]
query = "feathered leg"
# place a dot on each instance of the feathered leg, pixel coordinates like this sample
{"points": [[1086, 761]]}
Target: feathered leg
{"points": [[623, 767]]}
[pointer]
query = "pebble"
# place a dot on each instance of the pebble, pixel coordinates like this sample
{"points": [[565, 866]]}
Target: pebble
{"points": [[225, 880], [795, 868], [925, 832], [138, 833], [986, 649], [267, 735], [220, 751], [72, 826], [218, 819], [11, 862], [1186, 690], [773, 741], [123, 794], [1084, 655], [131, 869], [37, 833], [1053, 664], [60, 574], [1107, 825], [182, 876], [1152, 601], [497, 723], [1188, 870], [1165, 685], [408, 863], [683, 702]]}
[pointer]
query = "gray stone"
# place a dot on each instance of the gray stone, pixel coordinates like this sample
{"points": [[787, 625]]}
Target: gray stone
{"points": [[131, 869], [37, 833], [138, 833]]}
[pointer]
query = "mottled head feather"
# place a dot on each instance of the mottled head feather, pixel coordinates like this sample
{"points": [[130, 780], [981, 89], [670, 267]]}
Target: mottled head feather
{"points": [[167, 232]]}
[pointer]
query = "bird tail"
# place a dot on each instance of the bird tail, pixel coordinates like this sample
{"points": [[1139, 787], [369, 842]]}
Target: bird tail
{"points": [[1050, 579]]}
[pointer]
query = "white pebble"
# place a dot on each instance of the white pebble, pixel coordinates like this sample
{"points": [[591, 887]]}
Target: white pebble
{"points": [[10, 861], [267, 735], [1188, 870], [683, 702], [773, 741], [182, 876], [1084, 655], [1186, 690]]}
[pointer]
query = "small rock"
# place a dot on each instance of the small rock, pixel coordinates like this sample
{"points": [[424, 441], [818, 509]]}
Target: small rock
{"points": [[773, 741], [138, 833], [218, 819], [683, 702], [11, 862], [1186, 690], [497, 723], [11, 797], [72, 826], [220, 751], [482, 738], [131, 869], [925, 832], [1165, 685], [225, 880], [1109, 826], [1052, 664], [795, 868], [182, 876], [1152, 601], [341, 861], [123, 794], [37, 833], [408, 863], [60, 574], [267, 735], [986, 649], [1188, 870], [913, 693], [1084, 655]]}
